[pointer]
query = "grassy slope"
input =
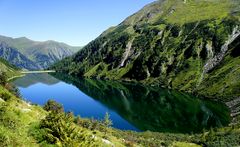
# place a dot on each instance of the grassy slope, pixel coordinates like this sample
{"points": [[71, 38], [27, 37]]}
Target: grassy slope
{"points": [[199, 10], [16, 119], [169, 40], [178, 12], [16, 115], [9, 69]]}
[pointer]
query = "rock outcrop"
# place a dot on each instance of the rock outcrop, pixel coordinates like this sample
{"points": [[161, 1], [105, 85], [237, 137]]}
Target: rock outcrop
{"points": [[213, 62]]}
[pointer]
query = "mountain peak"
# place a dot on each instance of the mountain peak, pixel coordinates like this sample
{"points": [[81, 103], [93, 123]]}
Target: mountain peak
{"points": [[25, 38], [184, 11]]}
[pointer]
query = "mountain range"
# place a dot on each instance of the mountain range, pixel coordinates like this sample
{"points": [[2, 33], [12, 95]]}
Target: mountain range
{"points": [[188, 45], [33, 55]]}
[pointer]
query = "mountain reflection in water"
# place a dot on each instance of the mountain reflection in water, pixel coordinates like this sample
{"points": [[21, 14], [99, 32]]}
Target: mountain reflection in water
{"points": [[131, 106]]}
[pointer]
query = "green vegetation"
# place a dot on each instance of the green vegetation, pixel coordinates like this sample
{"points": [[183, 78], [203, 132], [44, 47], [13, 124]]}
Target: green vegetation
{"points": [[7, 70], [180, 12], [53, 106], [198, 10], [187, 45], [59, 128], [22, 124], [168, 43], [3, 78]]}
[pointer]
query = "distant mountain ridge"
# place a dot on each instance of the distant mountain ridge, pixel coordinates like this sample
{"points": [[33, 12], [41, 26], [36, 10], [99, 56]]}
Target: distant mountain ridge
{"points": [[16, 58], [33, 55]]}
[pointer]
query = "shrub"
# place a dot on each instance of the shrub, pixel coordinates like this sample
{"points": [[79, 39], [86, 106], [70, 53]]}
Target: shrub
{"points": [[52, 105], [4, 139], [13, 89], [90, 124], [93, 124], [5, 96], [61, 130], [3, 78], [8, 118]]}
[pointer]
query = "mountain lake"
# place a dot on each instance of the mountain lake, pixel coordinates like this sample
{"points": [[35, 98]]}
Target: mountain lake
{"points": [[131, 106]]}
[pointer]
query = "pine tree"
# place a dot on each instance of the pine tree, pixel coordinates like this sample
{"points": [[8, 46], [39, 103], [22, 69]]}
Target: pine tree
{"points": [[107, 121]]}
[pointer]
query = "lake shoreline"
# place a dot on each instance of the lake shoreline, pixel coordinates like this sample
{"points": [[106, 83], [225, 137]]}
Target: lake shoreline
{"points": [[44, 71], [23, 73], [15, 77], [123, 101]]}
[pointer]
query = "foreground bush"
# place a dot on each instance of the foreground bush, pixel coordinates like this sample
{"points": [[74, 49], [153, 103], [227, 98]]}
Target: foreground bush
{"points": [[3, 78], [60, 129], [53, 106]]}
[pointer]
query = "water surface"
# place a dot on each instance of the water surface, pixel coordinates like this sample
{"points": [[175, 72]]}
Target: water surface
{"points": [[131, 106]]}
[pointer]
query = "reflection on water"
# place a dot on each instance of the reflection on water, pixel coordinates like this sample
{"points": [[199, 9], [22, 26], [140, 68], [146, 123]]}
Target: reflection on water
{"points": [[31, 79], [136, 107]]}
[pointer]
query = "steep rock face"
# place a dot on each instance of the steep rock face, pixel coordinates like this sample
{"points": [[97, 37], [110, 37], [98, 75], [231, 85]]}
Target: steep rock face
{"points": [[213, 62], [16, 58], [42, 54], [187, 45]]}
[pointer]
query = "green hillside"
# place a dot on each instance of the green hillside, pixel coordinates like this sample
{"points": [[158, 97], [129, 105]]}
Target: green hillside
{"points": [[189, 45], [8, 69]]}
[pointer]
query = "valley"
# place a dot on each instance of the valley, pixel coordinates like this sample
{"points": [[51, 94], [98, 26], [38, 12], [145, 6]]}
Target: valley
{"points": [[167, 75]]}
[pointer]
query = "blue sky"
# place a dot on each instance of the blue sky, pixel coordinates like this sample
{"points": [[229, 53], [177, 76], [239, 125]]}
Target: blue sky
{"points": [[75, 22]]}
